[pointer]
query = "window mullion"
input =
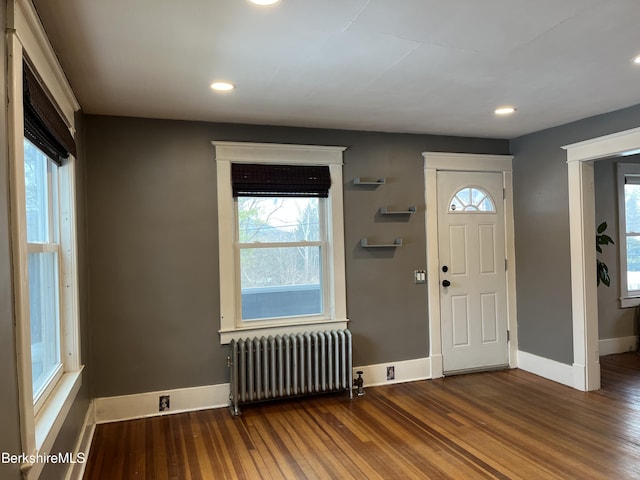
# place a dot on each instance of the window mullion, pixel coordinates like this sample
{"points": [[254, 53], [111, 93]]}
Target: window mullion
{"points": [[279, 244], [37, 247]]}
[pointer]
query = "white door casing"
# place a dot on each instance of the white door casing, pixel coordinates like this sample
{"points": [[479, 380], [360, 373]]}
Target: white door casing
{"points": [[582, 225], [471, 247], [438, 161]]}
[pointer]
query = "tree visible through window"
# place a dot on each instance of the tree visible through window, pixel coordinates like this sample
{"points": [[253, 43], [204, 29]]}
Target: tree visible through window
{"points": [[281, 245], [43, 239], [632, 231]]}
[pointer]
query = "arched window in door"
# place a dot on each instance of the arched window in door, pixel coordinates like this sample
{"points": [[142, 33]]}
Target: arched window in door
{"points": [[471, 200]]}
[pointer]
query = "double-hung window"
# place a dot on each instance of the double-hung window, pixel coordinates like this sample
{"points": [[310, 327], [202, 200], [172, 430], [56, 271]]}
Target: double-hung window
{"points": [[629, 232], [42, 166], [281, 255], [43, 247], [281, 240]]}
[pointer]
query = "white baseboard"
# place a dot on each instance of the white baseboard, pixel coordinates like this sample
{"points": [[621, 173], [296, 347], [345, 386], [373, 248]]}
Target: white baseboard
{"points": [[405, 371], [609, 346], [544, 367], [140, 405], [81, 451]]}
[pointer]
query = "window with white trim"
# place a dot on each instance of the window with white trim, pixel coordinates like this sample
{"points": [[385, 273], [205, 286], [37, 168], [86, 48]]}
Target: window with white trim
{"points": [[629, 232], [42, 150], [281, 240]]}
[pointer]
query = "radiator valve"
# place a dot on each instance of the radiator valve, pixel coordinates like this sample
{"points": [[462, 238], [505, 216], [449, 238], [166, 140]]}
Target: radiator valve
{"points": [[359, 383]]}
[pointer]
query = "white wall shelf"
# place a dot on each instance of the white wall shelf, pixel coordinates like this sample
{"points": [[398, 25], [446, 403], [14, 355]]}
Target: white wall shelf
{"points": [[365, 182], [364, 243], [387, 211]]}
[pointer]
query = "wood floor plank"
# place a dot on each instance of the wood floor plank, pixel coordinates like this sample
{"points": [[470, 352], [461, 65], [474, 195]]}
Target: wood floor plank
{"points": [[494, 425]]}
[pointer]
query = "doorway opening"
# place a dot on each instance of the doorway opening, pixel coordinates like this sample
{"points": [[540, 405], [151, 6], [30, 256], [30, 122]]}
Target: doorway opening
{"points": [[582, 225]]}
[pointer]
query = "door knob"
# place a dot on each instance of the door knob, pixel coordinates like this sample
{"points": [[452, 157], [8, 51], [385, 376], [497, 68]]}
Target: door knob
{"points": [[446, 283]]}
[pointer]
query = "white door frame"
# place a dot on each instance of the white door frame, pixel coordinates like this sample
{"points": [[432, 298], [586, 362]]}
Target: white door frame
{"points": [[433, 162], [582, 228]]}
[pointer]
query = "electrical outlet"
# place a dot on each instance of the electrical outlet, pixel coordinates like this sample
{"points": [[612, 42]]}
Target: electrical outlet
{"points": [[391, 372], [164, 403]]}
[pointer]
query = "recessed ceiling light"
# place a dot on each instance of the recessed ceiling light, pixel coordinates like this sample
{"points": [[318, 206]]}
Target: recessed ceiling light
{"points": [[222, 86], [637, 59], [504, 110], [264, 2]]}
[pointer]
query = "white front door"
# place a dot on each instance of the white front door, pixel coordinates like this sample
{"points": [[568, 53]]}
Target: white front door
{"points": [[471, 244]]}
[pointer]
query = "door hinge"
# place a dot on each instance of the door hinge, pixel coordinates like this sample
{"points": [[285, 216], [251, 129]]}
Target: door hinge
{"points": [[505, 264], [508, 335], [504, 193]]}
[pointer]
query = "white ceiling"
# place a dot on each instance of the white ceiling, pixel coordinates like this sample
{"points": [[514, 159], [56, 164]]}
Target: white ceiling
{"points": [[420, 66]]}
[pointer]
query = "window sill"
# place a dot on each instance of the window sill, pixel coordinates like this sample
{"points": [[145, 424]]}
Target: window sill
{"points": [[263, 330], [629, 302], [51, 418]]}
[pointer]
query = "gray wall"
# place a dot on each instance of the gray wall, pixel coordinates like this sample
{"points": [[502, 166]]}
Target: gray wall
{"points": [[613, 321], [541, 209], [152, 223], [10, 431]]}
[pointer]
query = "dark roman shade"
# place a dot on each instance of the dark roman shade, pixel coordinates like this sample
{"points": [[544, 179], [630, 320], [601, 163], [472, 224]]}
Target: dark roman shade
{"points": [[260, 180], [43, 125]]}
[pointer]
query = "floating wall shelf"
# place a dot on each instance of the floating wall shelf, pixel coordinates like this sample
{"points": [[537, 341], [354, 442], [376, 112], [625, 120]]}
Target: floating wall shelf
{"points": [[408, 211], [364, 243], [360, 181]]}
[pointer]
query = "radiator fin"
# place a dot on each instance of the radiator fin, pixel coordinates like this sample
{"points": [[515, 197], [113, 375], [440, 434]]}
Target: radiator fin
{"points": [[288, 365]]}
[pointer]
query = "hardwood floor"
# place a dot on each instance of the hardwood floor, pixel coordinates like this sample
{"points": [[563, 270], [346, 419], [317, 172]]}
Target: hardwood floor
{"points": [[501, 425]]}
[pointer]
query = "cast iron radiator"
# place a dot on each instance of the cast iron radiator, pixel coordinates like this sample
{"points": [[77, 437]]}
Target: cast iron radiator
{"points": [[290, 365]]}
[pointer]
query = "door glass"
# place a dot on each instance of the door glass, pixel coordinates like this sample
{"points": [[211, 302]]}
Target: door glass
{"points": [[471, 200]]}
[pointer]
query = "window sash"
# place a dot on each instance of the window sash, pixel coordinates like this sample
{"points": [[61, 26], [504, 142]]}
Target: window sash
{"points": [[42, 194], [628, 174], [44, 307], [325, 294], [281, 299]]}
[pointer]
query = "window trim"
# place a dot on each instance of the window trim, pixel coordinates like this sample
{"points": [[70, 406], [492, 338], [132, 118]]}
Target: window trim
{"points": [[26, 38], [227, 153], [627, 299]]}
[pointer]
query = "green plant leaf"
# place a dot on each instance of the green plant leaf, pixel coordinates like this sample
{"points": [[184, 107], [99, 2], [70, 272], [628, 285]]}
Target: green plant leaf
{"points": [[601, 268], [603, 273], [604, 240]]}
